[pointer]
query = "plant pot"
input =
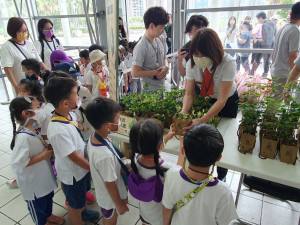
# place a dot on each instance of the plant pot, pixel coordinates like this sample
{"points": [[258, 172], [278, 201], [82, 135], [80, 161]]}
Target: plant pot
{"points": [[247, 143], [268, 148], [179, 124], [240, 131], [288, 153], [160, 122]]}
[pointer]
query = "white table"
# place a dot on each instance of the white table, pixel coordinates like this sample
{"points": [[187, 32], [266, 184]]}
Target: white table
{"points": [[268, 169]]}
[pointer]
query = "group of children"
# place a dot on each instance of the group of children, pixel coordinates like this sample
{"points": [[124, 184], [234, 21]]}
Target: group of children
{"points": [[163, 190]]}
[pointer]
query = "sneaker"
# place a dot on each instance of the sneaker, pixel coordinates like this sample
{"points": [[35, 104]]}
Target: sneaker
{"points": [[12, 183], [90, 198], [89, 215], [56, 219]]}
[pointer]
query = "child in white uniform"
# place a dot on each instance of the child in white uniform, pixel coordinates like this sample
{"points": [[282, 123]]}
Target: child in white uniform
{"points": [[198, 197], [63, 134], [111, 193], [146, 180], [30, 162]]}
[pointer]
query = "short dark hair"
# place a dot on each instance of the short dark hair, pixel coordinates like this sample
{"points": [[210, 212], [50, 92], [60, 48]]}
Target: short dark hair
{"points": [[248, 18], [58, 89], [203, 145], [145, 137], [95, 47], [34, 87], [132, 44], [295, 15], [197, 21], [124, 43], [48, 75], [41, 24], [84, 54], [248, 25], [155, 15], [261, 15], [14, 24], [32, 64], [207, 42], [101, 110]]}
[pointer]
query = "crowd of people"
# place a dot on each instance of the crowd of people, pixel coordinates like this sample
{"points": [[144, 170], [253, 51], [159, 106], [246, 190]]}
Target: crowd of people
{"points": [[62, 116]]}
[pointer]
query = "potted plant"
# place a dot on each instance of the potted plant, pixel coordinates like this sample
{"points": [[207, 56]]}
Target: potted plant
{"points": [[180, 121], [249, 121]]}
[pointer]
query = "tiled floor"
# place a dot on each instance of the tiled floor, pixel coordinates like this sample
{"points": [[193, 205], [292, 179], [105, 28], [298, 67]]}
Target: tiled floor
{"points": [[253, 208]]}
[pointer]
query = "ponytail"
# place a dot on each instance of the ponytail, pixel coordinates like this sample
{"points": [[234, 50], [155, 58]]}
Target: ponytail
{"points": [[12, 117], [159, 171]]}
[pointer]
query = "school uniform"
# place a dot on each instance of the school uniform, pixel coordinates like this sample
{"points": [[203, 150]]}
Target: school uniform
{"points": [[147, 189], [93, 79], [213, 205], [65, 139], [105, 168], [36, 182]]}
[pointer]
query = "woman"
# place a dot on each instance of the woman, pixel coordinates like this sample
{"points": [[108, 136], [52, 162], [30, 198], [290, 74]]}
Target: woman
{"points": [[47, 42], [122, 32], [16, 50], [195, 23], [230, 34], [243, 41], [214, 71]]}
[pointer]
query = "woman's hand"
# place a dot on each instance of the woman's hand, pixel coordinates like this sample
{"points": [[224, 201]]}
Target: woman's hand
{"points": [[194, 123]]}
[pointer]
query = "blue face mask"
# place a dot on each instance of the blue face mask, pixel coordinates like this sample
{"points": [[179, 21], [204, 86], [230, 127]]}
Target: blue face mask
{"points": [[32, 77], [25, 124]]}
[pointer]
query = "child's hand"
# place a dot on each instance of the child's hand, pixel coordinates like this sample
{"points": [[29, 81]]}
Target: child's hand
{"points": [[122, 207], [170, 135], [80, 127], [47, 153]]}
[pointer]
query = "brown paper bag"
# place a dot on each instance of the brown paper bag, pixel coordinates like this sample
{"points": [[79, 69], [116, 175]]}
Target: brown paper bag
{"points": [[268, 148], [247, 143], [288, 153], [179, 124]]}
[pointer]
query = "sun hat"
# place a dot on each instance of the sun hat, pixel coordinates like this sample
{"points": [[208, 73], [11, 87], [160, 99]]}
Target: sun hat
{"points": [[96, 55]]}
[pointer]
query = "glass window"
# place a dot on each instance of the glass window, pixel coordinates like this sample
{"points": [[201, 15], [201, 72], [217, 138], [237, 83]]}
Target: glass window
{"points": [[72, 31], [200, 4]]}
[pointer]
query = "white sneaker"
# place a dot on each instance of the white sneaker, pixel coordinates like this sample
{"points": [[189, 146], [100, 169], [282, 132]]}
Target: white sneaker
{"points": [[12, 183]]}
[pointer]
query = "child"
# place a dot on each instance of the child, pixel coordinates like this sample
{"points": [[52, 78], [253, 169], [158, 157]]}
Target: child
{"points": [[85, 96], [110, 189], [84, 60], [30, 162], [32, 69], [30, 87], [97, 77], [68, 146], [123, 68], [202, 146], [146, 180]]}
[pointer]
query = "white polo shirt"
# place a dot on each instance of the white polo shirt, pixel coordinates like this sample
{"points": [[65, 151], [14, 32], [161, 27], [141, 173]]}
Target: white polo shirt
{"points": [[12, 57], [212, 205], [37, 180], [65, 139], [225, 71]]}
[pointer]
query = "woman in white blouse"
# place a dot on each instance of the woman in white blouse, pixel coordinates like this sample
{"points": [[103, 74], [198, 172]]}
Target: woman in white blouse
{"points": [[214, 72]]}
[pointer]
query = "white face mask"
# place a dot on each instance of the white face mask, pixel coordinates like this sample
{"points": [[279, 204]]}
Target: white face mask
{"points": [[202, 62], [39, 116]]}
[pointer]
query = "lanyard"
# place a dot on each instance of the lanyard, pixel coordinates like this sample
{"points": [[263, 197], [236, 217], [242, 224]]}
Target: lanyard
{"points": [[28, 131], [210, 82], [18, 48], [102, 79], [120, 155], [49, 45], [155, 50], [61, 118], [192, 194]]}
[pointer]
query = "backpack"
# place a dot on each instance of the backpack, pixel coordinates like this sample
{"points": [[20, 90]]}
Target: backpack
{"points": [[42, 44]]}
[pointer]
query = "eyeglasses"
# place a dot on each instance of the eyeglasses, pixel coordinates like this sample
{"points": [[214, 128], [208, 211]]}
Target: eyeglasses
{"points": [[116, 124], [23, 31]]}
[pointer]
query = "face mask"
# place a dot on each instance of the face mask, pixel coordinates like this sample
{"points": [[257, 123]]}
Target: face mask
{"points": [[22, 36], [202, 62], [32, 77], [25, 124], [78, 104], [39, 115], [48, 33]]}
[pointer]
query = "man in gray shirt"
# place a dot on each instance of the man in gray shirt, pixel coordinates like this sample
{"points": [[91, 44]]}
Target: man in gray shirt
{"points": [[286, 47], [149, 61]]}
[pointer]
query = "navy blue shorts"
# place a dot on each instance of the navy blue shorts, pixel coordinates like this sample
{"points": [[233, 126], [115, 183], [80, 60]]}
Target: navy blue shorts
{"points": [[76, 193], [41, 208]]}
